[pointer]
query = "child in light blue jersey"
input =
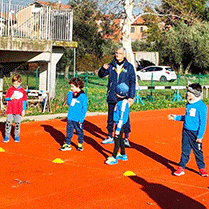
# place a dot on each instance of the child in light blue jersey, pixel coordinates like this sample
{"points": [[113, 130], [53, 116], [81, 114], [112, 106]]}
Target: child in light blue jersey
{"points": [[77, 102], [195, 120], [120, 117]]}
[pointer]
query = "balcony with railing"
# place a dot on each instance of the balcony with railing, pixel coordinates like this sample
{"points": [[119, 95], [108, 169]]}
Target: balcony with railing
{"points": [[49, 21]]}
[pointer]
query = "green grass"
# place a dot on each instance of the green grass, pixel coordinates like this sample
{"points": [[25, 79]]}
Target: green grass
{"points": [[96, 90]]}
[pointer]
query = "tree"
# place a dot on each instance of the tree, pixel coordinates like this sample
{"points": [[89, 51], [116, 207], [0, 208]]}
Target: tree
{"points": [[171, 50], [187, 45], [128, 11], [66, 62], [176, 10], [85, 27]]}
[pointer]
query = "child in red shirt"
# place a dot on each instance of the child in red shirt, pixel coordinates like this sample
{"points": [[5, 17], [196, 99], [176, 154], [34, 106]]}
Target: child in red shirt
{"points": [[16, 98]]}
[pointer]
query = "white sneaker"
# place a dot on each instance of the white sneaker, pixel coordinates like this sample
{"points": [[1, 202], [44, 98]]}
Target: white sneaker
{"points": [[65, 147], [108, 140], [126, 142], [111, 161]]}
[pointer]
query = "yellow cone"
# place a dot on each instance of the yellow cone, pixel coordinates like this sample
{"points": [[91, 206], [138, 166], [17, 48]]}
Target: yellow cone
{"points": [[58, 160], [2, 150], [129, 173]]}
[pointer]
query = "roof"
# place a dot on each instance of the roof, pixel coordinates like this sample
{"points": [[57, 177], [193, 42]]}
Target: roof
{"points": [[139, 21], [64, 6]]}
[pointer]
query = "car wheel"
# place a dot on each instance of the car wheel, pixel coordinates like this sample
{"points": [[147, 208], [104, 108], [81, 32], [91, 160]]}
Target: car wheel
{"points": [[163, 79], [138, 77]]}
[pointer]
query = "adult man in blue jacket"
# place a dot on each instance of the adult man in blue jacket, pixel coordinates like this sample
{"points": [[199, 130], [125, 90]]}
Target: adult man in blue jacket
{"points": [[119, 71]]}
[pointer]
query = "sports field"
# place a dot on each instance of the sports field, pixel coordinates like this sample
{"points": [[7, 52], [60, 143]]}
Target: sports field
{"points": [[30, 178]]}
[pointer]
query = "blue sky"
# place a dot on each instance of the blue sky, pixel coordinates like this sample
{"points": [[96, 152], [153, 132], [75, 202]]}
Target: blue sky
{"points": [[23, 2]]}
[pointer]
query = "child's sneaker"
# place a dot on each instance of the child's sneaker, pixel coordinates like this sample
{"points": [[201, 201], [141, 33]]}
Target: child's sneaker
{"points": [[126, 142], [17, 139], [108, 140], [65, 147], [122, 157], [6, 139], [80, 147], [179, 171], [203, 172], [111, 161]]}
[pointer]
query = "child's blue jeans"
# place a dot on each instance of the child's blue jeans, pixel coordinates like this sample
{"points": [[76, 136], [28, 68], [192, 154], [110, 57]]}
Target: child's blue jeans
{"points": [[189, 143], [71, 125]]}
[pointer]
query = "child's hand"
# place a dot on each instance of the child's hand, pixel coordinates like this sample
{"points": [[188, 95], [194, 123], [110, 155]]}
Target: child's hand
{"points": [[12, 97], [80, 124], [199, 140], [130, 101], [23, 113], [117, 133], [171, 117]]}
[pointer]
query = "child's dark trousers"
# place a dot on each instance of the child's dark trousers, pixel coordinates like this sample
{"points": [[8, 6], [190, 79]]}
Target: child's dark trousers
{"points": [[189, 143], [110, 122], [71, 125], [119, 143]]}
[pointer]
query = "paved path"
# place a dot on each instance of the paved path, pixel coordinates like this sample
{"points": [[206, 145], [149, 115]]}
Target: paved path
{"points": [[51, 116]]}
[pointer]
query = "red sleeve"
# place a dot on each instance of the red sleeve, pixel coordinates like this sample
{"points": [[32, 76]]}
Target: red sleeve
{"points": [[9, 93], [24, 95]]}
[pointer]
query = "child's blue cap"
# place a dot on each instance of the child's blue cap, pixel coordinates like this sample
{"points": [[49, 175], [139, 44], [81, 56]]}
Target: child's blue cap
{"points": [[122, 90]]}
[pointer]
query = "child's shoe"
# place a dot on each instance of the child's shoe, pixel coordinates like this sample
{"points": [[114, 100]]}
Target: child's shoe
{"points": [[80, 147], [126, 142], [122, 157], [17, 139], [203, 172], [111, 161], [108, 140], [179, 171], [65, 147], [6, 139]]}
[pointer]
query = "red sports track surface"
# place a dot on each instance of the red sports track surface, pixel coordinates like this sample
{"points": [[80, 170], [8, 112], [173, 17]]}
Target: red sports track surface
{"points": [[29, 178]]}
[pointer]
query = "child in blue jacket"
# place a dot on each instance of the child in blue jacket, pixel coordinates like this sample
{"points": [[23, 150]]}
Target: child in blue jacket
{"points": [[120, 117], [77, 102], [194, 126]]}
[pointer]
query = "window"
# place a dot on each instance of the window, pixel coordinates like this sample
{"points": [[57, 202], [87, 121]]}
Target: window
{"points": [[150, 69], [168, 69], [158, 69], [141, 29], [132, 29]]}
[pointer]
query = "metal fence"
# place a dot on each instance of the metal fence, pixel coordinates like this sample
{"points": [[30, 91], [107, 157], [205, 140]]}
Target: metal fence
{"points": [[36, 21]]}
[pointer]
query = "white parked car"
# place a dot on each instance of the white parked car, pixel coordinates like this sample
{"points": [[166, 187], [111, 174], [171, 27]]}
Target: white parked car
{"points": [[160, 73]]}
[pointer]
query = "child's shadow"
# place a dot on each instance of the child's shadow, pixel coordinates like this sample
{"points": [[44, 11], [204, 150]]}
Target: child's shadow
{"points": [[92, 129], [165, 197], [96, 146], [58, 136], [159, 158], [95, 131], [2, 129]]}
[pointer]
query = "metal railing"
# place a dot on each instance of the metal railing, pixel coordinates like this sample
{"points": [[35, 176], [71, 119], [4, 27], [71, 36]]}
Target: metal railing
{"points": [[36, 21]]}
